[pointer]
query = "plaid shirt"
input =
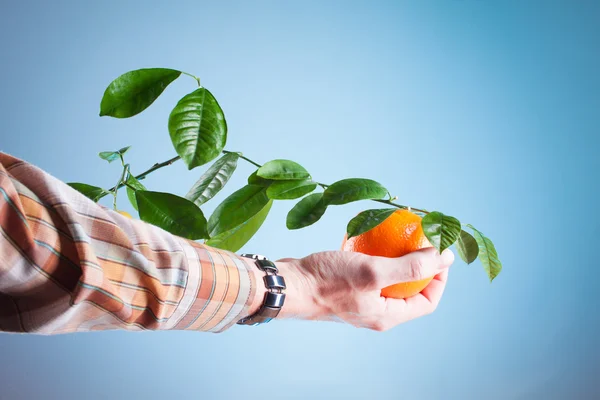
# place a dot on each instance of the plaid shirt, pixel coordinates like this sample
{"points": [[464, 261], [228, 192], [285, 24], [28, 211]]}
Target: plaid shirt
{"points": [[68, 264]]}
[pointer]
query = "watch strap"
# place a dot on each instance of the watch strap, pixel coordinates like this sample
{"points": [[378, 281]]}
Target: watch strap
{"points": [[274, 296]]}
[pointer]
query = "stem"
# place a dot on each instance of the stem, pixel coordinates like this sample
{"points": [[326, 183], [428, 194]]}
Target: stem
{"points": [[149, 171], [242, 157], [125, 168], [400, 206], [129, 186], [323, 185], [193, 76], [157, 166]]}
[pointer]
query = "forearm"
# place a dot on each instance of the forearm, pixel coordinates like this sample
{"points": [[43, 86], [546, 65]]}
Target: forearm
{"points": [[68, 264]]}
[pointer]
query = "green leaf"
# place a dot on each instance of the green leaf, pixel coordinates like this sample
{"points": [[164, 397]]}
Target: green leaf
{"points": [[234, 239], [198, 129], [134, 91], [283, 170], [94, 193], [111, 156], [286, 190], [213, 180], [135, 184], [367, 220], [441, 230], [467, 247], [254, 179], [487, 254], [238, 208], [172, 213], [354, 189], [306, 212]]}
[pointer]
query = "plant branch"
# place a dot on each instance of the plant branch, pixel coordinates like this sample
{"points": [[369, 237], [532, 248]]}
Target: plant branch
{"points": [[145, 173], [257, 165], [391, 203], [125, 168], [323, 185]]}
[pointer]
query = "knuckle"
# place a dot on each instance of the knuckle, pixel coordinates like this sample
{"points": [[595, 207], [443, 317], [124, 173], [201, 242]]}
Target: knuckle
{"points": [[415, 267]]}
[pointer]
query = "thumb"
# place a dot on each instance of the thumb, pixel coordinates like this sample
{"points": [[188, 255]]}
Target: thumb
{"points": [[415, 266]]}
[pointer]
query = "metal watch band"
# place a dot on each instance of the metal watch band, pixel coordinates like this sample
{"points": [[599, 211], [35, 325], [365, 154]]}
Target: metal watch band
{"points": [[274, 298]]}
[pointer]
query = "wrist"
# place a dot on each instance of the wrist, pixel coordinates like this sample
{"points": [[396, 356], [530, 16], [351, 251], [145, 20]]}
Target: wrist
{"points": [[299, 301], [256, 276]]}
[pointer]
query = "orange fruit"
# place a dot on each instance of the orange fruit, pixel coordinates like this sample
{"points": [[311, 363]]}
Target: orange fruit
{"points": [[398, 235], [125, 214]]}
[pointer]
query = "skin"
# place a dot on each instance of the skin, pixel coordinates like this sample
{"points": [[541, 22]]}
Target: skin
{"points": [[346, 287]]}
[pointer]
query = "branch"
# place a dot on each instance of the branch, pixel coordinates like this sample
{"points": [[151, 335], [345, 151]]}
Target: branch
{"points": [[323, 185]]}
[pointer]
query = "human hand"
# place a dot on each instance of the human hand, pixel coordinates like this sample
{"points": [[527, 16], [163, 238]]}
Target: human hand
{"points": [[346, 287]]}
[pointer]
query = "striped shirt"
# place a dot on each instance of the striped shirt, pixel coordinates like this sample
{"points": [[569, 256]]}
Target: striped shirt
{"points": [[68, 264]]}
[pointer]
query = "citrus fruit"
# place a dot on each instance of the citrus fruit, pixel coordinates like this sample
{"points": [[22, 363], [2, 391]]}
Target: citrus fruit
{"points": [[125, 214], [398, 235]]}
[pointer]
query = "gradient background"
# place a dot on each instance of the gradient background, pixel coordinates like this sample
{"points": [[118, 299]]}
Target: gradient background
{"points": [[489, 111]]}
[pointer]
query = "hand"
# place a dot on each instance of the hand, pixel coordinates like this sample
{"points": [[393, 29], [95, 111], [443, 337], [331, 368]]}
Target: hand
{"points": [[346, 286]]}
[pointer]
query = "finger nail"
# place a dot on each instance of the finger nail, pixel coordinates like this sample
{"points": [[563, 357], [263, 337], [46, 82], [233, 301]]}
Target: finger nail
{"points": [[447, 258]]}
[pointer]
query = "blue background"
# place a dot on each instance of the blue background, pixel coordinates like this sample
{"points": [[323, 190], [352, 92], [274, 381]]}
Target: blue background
{"points": [[485, 110]]}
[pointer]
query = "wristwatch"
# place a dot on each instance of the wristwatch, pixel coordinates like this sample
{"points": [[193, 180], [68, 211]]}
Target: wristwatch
{"points": [[274, 297]]}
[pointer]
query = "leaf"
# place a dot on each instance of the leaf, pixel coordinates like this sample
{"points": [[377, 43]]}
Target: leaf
{"points": [[286, 190], [254, 179], [235, 238], [283, 170], [367, 220], [487, 254], [467, 247], [354, 189], [111, 156], [172, 213], [441, 230], [238, 208], [198, 129], [306, 212], [135, 184], [213, 180], [134, 91], [94, 193]]}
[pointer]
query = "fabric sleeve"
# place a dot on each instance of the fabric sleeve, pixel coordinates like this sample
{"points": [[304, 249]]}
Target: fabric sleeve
{"points": [[68, 264]]}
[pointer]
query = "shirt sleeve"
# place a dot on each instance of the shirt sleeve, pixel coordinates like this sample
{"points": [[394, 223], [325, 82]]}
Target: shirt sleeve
{"points": [[68, 264]]}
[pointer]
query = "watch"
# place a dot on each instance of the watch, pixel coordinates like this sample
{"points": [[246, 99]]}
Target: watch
{"points": [[274, 297]]}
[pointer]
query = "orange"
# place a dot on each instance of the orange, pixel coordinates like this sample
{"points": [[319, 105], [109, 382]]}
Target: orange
{"points": [[398, 235], [125, 214]]}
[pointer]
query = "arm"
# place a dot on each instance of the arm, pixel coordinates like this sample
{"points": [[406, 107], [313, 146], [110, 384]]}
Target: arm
{"points": [[68, 264]]}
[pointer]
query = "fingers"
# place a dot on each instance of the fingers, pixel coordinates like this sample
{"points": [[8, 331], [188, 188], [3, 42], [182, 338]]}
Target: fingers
{"points": [[411, 267], [434, 291], [424, 303]]}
